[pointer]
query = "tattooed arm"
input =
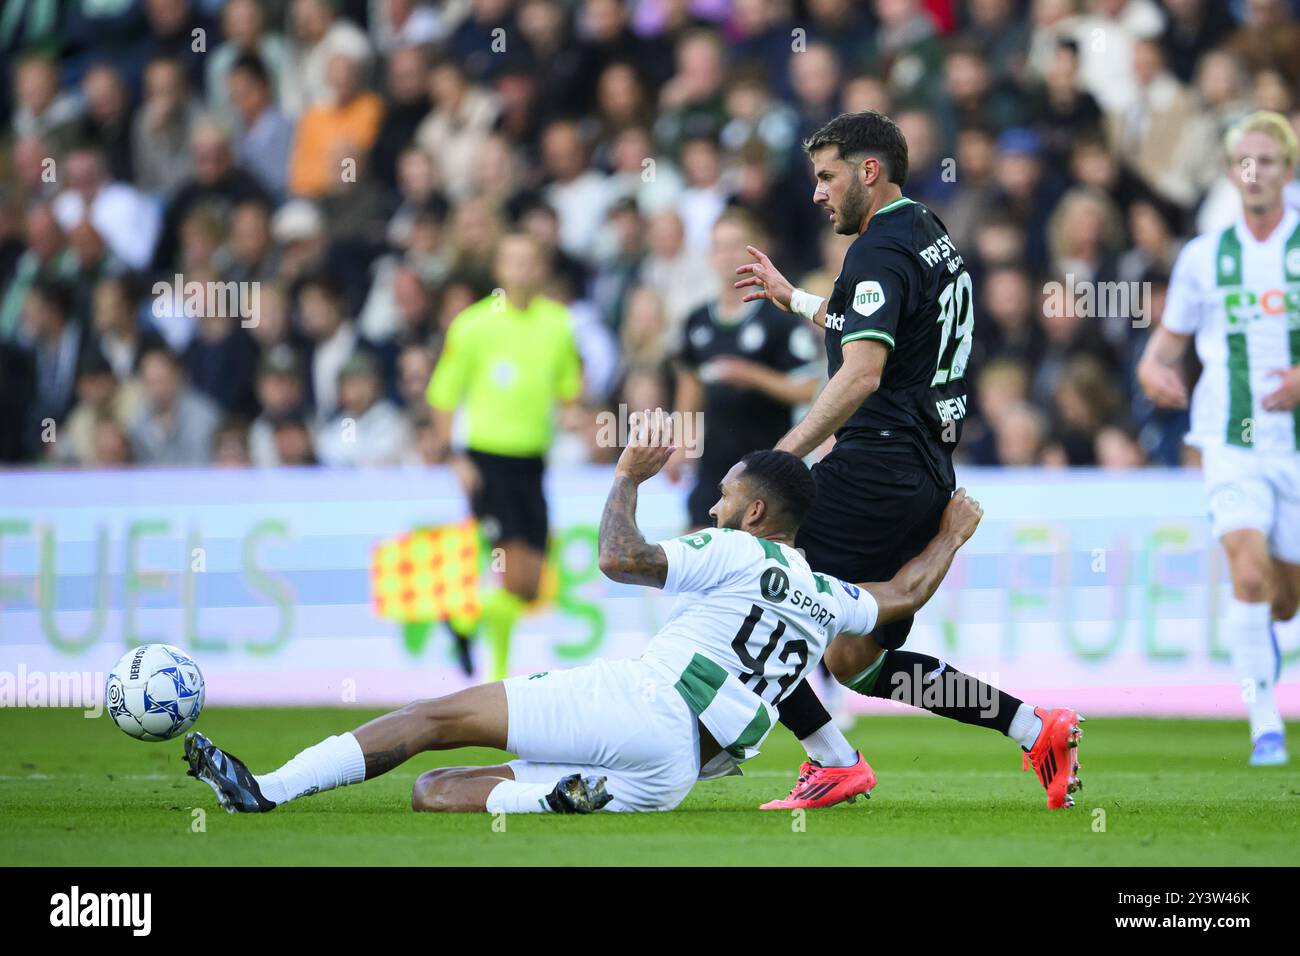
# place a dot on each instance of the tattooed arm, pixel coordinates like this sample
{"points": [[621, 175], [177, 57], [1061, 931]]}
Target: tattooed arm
{"points": [[625, 556]]}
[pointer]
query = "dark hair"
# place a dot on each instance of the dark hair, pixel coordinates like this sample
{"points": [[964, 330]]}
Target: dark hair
{"points": [[54, 293], [783, 480], [324, 283], [157, 346], [252, 64], [856, 134]]}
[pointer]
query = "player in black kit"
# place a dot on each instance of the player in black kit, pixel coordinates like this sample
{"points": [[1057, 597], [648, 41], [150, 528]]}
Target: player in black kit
{"points": [[899, 326], [745, 366]]}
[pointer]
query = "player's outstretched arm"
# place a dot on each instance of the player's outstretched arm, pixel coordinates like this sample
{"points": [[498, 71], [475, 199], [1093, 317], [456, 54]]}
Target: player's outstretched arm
{"points": [[625, 555], [915, 583]]}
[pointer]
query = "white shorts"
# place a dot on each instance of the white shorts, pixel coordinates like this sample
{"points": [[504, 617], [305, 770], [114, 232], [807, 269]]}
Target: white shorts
{"points": [[1252, 490], [622, 719]]}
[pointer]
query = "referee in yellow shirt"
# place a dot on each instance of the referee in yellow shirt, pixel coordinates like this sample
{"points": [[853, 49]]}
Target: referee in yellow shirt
{"points": [[508, 360]]}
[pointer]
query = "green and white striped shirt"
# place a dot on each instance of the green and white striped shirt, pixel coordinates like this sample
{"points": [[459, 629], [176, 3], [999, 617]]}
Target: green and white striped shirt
{"points": [[751, 621], [1241, 299]]}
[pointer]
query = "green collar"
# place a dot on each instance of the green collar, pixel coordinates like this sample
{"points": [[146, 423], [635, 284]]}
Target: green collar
{"points": [[898, 203]]}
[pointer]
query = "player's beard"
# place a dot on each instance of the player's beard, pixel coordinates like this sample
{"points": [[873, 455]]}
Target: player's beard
{"points": [[732, 523], [853, 209]]}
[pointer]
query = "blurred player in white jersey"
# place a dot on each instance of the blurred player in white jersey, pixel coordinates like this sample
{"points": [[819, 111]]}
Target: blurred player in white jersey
{"points": [[1238, 293]]}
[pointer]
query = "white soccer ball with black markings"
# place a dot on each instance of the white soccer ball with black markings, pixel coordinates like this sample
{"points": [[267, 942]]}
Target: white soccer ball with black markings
{"points": [[154, 692]]}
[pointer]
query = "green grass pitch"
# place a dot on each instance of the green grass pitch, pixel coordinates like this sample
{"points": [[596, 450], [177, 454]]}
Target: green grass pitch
{"points": [[76, 791]]}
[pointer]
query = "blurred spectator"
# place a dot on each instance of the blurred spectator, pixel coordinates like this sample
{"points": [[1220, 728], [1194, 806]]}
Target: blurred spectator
{"points": [[405, 106], [17, 391], [462, 118], [1192, 30], [230, 445], [107, 120], [332, 340], [318, 34], [176, 423], [335, 132], [402, 24], [579, 194], [250, 254], [975, 94], [46, 257], [906, 52], [298, 229], [263, 136], [368, 429], [110, 445], [100, 395], [125, 217], [1150, 132], [620, 264], [1107, 33], [116, 326], [691, 102], [294, 444], [682, 279], [221, 361], [243, 25], [1269, 39], [705, 195], [1062, 143], [41, 109], [280, 392], [1002, 35], [56, 343], [1019, 436], [1065, 110], [1117, 450], [1084, 402], [170, 33], [162, 129], [217, 183]]}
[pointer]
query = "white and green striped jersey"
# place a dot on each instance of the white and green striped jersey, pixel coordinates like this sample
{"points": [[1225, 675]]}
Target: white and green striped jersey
{"points": [[751, 620], [1241, 299]]}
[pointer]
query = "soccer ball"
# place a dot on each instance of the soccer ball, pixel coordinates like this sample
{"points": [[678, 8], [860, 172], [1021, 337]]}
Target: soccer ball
{"points": [[154, 692]]}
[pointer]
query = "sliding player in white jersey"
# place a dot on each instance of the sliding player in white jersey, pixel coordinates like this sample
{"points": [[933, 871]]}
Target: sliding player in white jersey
{"points": [[1238, 292], [634, 734]]}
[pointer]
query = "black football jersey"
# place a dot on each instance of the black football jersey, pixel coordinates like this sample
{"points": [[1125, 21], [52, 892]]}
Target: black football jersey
{"points": [[904, 284], [741, 420]]}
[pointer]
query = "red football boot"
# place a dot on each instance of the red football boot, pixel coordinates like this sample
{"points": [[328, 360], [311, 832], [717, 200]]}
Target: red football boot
{"points": [[820, 786], [1055, 755]]}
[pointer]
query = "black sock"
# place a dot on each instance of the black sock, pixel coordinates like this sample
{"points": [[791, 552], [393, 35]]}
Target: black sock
{"points": [[801, 712], [930, 684]]}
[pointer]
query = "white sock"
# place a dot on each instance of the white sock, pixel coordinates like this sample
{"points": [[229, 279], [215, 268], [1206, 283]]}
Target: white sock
{"points": [[1025, 726], [829, 747], [334, 762], [511, 796], [1250, 636]]}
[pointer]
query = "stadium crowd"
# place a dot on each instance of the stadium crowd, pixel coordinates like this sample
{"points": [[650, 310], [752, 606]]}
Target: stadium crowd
{"points": [[352, 164]]}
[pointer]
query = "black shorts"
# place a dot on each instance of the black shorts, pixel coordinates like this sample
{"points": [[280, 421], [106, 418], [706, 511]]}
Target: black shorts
{"points": [[878, 505], [510, 506]]}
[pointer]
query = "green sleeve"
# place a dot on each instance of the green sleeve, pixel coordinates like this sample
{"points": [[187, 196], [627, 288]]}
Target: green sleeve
{"points": [[568, 380], [450, 377]]}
